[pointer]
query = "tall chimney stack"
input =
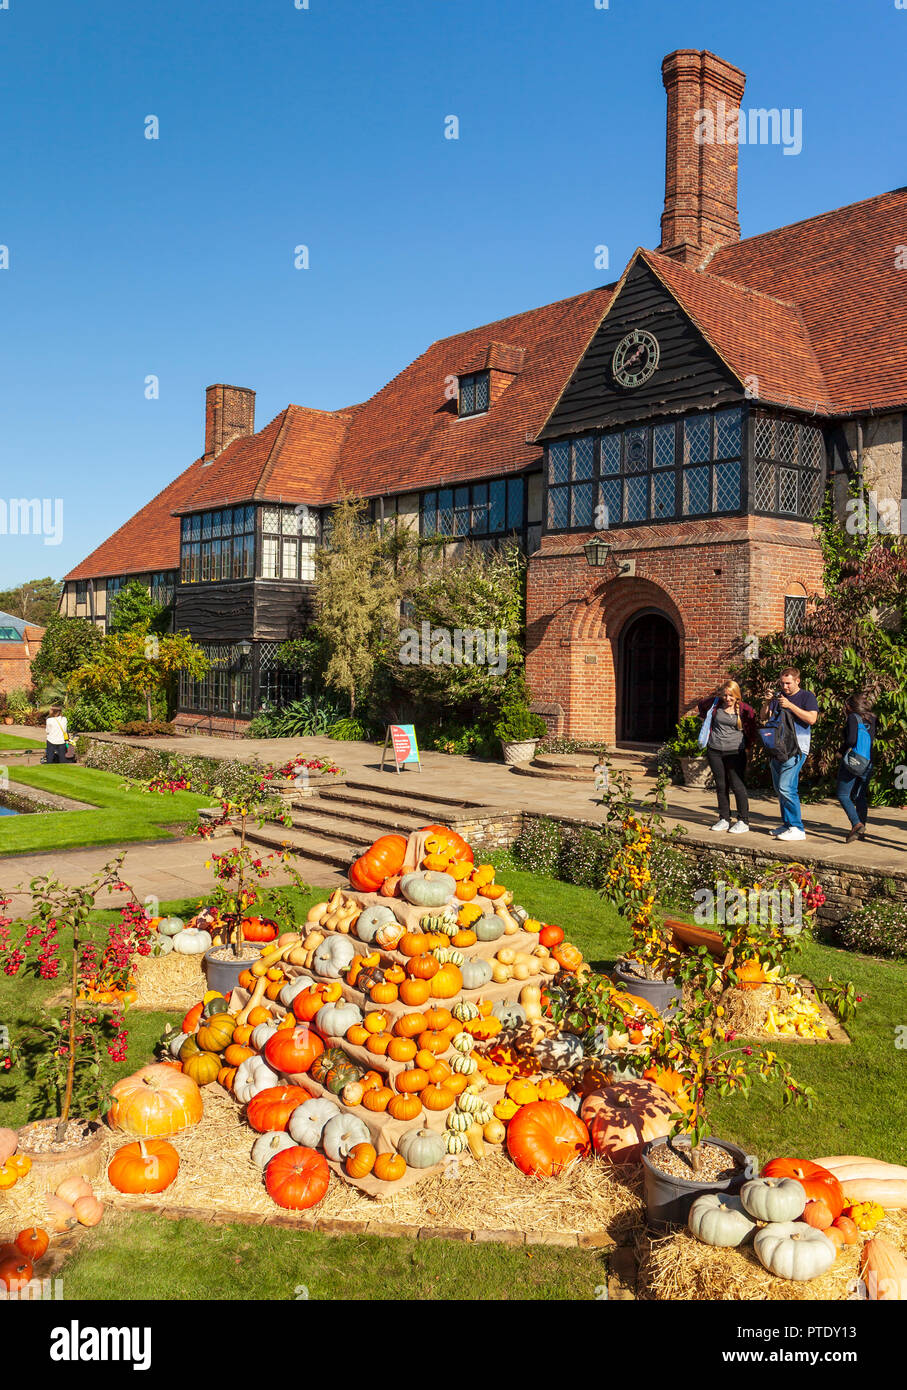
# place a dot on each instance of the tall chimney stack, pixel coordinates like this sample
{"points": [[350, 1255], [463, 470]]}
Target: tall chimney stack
{"points": [[700, 212], [229, 414]]}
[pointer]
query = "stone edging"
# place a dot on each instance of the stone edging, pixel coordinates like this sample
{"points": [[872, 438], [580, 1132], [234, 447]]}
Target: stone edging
{"points": [[338, 1226]]}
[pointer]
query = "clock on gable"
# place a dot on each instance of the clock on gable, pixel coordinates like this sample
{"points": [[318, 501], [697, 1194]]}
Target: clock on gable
{"points": [[635, 358]]}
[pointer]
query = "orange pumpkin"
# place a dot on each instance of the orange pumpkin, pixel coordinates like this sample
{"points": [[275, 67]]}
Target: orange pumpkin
{"points": [[434, 1040], [237, 1054], [404, 1107], [383, 993], [190, 1021], [568, 956], [413, 943], [437, 1096], [456, 1083], [438, 1017], [413, 1079], [389, 1167], [376, 1021], [360, 1160], [378, 1099], [272, 990], [408, 1025], [415, 991], [447, 982], [154, 1102], [395, 975], [402, 1050], [750, 974], [383, 858], [378, 1043], [483, 1028], [464, 937], [425, 1059], [246, 979], [438, 1072], [225, 1077], [459, 871], [466, 890], [371, 1081], [423, 967], [242, 1034], [493, 891], [544, 1137], [357, 1035], [621, 1118]]}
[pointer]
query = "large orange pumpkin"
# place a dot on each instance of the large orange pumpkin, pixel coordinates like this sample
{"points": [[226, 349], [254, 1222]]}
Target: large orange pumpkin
{"points": [[154, 1102], [819, 1184], [544, 1137], [272, 1108], [297, 1178], [150, 1165], [380, 861], [293, 1050], [624, 1117]]}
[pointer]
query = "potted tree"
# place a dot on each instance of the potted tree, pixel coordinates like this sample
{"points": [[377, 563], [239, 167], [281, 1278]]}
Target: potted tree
{"points": [[518, 729], [684, 748], [697, 1051], [69, 1044], [647, 968], [237, 874]]}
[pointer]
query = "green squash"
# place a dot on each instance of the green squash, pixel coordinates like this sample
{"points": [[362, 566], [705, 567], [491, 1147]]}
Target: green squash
{"points": [[428, 888], [718, 1218], [489, 927], [340, 1075], [422, 1148], [476, 973], [331, 1057]]}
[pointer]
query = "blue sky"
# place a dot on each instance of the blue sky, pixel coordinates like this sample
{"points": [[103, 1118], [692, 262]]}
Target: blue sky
{"points": [[324, 126]]}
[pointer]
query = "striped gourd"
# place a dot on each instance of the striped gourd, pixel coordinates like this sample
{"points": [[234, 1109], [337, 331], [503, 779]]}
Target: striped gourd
{"points": [[448, 956], [441, 922], [465, 1011], [469, 1102], [462, 1042], [459, 1120], [484, 1114], [464, 1065], [456, 1142]]}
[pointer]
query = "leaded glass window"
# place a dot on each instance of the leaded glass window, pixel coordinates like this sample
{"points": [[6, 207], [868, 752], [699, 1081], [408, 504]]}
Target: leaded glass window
{"points": [[217, 545], [473, 393], [789, 467]]}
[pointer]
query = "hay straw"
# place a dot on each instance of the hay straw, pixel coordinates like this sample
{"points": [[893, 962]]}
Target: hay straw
{"points": [[681, 1268], [168, 983]]}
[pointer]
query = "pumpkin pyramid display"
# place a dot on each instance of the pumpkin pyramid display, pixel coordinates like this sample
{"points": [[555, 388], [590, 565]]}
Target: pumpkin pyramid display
{"points": [[389, 1001]]}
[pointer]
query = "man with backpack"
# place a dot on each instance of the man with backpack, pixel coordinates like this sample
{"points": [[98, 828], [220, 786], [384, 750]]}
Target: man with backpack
{"points": [[856, 764], [791, 713]]}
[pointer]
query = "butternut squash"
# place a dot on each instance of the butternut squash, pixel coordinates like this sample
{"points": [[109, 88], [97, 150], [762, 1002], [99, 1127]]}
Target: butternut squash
{"points": [[883, 1269], [869, 1179]]}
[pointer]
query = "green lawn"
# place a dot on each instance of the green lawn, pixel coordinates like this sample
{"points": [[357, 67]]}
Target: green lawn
{"points": [[14, 741], [188, 1260], [117, 815]]}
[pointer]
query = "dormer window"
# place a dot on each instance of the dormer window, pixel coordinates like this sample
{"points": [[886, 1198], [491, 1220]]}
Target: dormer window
{"points": [[474, 393]]}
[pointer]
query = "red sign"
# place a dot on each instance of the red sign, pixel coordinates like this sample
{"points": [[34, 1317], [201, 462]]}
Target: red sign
{"points": [[401, 742]]}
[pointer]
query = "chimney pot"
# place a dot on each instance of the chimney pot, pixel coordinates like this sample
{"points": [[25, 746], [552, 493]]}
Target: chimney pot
{"points": [[229, 415], [700, 210]]}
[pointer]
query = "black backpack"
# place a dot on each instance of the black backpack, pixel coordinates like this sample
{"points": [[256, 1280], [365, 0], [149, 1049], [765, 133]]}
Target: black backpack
{"points": [[784, 744]]}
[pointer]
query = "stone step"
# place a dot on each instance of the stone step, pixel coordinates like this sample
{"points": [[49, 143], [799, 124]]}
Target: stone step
{"points": [[338, 853], [377, 819], [426, 806], [352, 830]]}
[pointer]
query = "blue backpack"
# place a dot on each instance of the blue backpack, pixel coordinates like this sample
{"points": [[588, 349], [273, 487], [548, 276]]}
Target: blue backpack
{"points": [[858, 759]]}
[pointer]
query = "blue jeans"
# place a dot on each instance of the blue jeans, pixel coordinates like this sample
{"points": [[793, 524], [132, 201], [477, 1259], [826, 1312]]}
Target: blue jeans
{"points": [[853, 794], [786, 777]]}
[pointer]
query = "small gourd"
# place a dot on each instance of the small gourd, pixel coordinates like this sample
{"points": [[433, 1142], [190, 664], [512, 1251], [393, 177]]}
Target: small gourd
{"points": [[773, 1199]]}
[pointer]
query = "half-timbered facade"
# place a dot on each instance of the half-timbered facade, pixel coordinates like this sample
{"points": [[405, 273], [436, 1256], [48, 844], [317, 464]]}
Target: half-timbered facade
{"points": [[692, 415]]}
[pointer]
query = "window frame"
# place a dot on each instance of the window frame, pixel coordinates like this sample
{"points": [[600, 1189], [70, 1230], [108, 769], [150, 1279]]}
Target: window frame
{"points": [[482, 496], [211, 541], [470, 381]]}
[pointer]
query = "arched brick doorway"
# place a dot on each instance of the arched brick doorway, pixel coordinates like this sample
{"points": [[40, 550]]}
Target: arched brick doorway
{"points": [[648, 678]]}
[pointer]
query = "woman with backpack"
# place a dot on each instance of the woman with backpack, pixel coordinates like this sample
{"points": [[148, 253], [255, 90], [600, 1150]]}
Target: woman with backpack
{"points": [[728, 729], [856, 764]]}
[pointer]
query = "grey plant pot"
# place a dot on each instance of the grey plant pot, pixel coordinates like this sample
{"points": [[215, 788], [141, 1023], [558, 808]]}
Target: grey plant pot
{"points": [[663, 995], [223, 975], [668, 1200], [696, 772], [522, 752]]}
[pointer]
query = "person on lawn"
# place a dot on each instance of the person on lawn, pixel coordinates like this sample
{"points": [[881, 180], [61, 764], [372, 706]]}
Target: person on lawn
{"points": [[728, 730], [56, 736], [856, 764], [804, 707]]}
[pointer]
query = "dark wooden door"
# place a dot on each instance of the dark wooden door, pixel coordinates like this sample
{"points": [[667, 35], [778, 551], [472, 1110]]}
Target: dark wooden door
{"points": [[650, 687]]}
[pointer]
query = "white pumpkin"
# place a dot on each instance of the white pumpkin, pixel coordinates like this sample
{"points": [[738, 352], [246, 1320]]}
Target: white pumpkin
{"points": [[342, 1134], [260, 1034], [794, 1250], [169, 926], [308, 1120], [176, 1043], [719, 1218], [161, 945], [253, 1075], [291, 989], [269, 1144], [333, 957], [192, 941], [335, 1018]]}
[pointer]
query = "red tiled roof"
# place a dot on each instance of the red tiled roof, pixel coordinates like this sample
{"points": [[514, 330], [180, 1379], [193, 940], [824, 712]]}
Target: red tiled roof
{"points": [[841, 269], [762, 339], [409, 435]]}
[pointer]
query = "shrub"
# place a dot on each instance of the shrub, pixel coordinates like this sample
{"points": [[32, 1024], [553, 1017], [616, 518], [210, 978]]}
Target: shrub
{"points": [[584, 857], [674, 876], [517, 724], [140, 728], [102, 713], [685, 741], [17, 702], [464, 740], [351, 730], [306, 717], [538, 847], [878, 929]]}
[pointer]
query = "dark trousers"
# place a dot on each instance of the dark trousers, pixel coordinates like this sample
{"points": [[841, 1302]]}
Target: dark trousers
{"points": [[728, 770], [853, 794], [55, 753]]}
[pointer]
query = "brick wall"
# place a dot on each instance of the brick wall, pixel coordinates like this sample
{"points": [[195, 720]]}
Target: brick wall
{"points": [[715, 580]]}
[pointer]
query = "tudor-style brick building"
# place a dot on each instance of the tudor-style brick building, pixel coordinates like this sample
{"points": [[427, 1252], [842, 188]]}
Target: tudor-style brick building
{"points": [[691, 415]]}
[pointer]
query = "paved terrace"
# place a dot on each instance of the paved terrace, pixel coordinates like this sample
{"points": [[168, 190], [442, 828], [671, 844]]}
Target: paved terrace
{"points": [[173, 869]]}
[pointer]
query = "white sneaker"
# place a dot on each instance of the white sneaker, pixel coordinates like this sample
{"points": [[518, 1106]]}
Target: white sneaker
{"points": [[793, 834], [721, 825], [778, 830], [740, 827]]}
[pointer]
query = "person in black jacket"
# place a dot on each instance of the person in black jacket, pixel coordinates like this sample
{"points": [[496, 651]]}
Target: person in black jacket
{"points": [[853, 786]]}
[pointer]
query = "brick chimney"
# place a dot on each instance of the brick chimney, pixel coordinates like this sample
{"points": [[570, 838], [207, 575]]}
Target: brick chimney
{"points": [[700, 212], [229, 414]]}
